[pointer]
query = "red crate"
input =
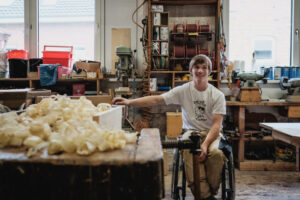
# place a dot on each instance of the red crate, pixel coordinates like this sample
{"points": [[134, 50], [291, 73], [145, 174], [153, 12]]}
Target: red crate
{"points": [[58, 55], [17, 54]]}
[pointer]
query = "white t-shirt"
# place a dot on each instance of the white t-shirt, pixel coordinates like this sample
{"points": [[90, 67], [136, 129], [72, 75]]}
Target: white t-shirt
{"points": [[197, 106]]}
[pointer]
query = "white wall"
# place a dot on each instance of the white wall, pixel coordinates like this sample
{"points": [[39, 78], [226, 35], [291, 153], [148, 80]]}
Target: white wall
{"points": [[118, 15]]}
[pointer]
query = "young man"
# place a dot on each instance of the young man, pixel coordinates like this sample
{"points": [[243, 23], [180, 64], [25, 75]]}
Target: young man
{"points": [[203, 107]]}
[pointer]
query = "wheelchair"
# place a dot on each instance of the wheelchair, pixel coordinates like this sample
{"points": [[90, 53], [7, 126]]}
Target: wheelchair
{"points": [[228, 176]]}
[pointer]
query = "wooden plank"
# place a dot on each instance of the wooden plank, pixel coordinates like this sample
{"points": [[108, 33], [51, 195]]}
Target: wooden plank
{"points": [[266, 165], [134, 172], [119, 37], [294, 112]]}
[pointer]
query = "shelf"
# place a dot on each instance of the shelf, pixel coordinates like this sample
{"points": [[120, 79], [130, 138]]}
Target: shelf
{"points": [[157, 92], [33, 81], [195, 2], [37, 79], [160, 40], [161, 55], [160, 25], [193, 33], [169, 72], [181, 81], [184, 58], [154, 11]]}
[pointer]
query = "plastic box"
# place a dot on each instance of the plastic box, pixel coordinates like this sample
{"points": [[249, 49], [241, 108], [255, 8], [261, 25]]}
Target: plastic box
{"points": [[58, 55]]}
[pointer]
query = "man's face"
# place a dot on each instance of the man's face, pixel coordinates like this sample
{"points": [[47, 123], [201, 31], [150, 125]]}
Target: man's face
{"points": [[200, 71]]}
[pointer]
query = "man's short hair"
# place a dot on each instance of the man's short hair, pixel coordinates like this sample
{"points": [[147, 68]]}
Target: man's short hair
{"points": [[200, 59]]}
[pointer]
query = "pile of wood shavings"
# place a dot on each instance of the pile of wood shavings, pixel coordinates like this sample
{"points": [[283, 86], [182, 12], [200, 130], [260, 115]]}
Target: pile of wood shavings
{"points": [[61, 124]]}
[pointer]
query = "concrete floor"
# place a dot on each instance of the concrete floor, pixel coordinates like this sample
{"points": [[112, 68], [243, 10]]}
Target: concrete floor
{"points": [[257, 185]]}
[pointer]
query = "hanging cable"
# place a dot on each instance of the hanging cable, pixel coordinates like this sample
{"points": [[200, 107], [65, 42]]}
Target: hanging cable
{"points": [[135, 12]]}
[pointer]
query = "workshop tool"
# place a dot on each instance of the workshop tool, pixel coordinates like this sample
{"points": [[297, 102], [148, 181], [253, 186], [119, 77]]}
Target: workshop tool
{"points": [[124, 65], [293, 87], [194, 145], [249, 90]]}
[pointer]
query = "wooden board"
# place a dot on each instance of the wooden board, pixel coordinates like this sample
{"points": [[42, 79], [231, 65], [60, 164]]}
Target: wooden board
{"points": [[134, 172], [174, 124], [119, 37], [266, 165], [294, 112]]}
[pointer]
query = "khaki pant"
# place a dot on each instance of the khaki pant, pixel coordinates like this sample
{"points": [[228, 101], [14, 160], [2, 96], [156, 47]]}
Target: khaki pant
{"points": [[210, 170]]}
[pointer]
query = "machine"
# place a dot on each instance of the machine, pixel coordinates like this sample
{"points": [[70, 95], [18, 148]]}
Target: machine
{"points": [[249, 79], [124, 65], [249, 90], [293, 87]]}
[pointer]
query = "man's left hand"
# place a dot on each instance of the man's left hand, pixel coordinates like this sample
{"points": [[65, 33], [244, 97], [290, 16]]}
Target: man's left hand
{"points": [[203, 154]]}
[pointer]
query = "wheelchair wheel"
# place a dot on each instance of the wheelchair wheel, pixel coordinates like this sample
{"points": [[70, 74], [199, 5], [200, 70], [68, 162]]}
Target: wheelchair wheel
{"points": [[228, 180], [174, 189], [178, 165]]}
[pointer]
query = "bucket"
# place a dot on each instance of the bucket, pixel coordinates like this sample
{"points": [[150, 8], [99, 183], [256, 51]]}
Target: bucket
{"points": [[18, 68], [298, 72], [34, 63], [285, 71], [277, 73], [270, 74], [293, 72]]}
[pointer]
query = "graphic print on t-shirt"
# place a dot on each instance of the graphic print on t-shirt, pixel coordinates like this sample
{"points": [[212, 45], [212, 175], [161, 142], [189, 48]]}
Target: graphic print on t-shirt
{"points": [[200, 110]]}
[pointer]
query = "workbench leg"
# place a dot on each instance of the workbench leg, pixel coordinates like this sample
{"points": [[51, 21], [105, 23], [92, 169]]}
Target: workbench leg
{"points": [[98, 86], [242, 134], [297, 158]]}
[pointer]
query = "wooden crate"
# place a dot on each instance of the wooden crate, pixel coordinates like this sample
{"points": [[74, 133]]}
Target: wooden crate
{"points": [[174, 124]]}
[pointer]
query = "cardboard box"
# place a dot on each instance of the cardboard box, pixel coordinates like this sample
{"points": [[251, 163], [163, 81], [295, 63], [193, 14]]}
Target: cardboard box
{"points": [[14, 98], [110, 119], [95, 99], [32, 75], [174, 124], [91, 66]]}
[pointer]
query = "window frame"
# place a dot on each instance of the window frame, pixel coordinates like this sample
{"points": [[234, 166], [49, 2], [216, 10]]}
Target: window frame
{"points": [[31, 34], [295, 39]]}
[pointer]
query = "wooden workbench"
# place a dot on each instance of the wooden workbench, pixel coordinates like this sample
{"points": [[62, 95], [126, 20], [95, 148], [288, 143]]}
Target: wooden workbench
{"points": [[134, 172], [256, 165], [286, 132]]}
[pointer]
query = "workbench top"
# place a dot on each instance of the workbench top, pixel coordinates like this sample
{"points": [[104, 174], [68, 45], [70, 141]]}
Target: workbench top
{"points": [[134, 172]]}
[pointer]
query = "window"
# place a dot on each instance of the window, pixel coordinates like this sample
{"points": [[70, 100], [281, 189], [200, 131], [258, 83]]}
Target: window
{"points": [[68, 23], [11, 24], [263, 49], [262, 28]]}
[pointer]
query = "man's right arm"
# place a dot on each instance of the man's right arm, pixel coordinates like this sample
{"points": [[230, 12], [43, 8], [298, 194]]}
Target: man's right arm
{"points": [[147, 101]]}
